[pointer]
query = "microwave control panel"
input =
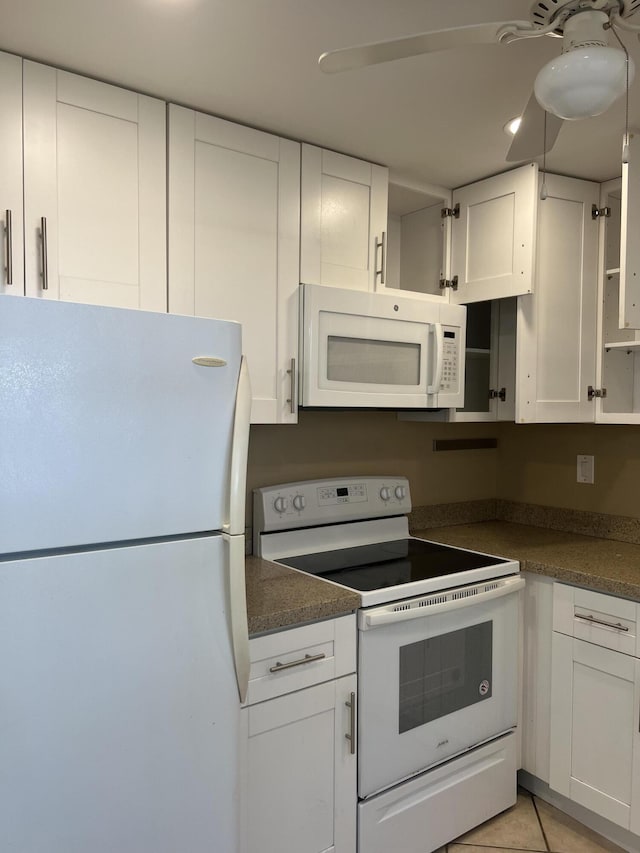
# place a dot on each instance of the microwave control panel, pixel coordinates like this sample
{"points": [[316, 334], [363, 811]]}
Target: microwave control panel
{"points": [[451, 359]]}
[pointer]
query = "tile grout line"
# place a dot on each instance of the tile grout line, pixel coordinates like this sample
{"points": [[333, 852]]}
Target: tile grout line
{"points": [[544, 834]]}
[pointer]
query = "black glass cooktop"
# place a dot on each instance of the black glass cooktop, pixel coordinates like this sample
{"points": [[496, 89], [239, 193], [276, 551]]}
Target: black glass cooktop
{"points": [[370, 567]]}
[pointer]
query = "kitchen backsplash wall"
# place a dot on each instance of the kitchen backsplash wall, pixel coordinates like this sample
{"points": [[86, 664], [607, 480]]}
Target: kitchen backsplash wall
{"points": [[536, 463], [337, 444]]}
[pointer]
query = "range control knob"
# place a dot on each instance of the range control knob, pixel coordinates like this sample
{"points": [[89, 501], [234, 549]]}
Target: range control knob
{"points": [[280, 504], [385, 493], [299, 502], [400, 492]]}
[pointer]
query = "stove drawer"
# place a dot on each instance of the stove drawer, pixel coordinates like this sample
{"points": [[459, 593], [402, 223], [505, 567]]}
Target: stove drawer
{"points": [[300, 657]]}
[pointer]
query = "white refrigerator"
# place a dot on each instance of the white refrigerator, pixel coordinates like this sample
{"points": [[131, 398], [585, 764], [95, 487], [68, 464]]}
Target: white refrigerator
{"points": [[123, 632]]}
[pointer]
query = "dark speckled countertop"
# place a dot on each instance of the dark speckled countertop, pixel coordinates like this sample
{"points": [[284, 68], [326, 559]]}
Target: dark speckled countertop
{"points": [[605, 565], [278, 597]]}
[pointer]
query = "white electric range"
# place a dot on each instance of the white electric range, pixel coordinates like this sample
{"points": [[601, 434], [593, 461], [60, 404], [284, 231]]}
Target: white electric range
{"points": [[437, 656]]}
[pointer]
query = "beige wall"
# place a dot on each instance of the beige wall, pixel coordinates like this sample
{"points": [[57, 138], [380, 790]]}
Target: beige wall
{"points": [[534, 463], [537, 464], [335, 444]]}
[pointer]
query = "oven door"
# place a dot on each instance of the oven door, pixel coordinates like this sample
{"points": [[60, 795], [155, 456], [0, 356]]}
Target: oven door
{"points": [[370, 350], [437, 675]]}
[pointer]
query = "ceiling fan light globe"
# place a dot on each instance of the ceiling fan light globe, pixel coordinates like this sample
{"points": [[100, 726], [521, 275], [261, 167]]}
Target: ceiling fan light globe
{"points": [[583, 82]]}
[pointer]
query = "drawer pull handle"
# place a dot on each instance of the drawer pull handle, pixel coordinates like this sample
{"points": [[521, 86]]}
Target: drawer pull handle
{"points": [[306, 659], [351, 734], [617, 625]]}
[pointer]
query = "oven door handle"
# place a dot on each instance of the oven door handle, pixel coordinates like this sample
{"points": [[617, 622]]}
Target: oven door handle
{"points": [[385, 616]]}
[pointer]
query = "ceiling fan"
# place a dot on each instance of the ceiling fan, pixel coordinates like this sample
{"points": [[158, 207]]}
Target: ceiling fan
{"points": [[583, 81]]}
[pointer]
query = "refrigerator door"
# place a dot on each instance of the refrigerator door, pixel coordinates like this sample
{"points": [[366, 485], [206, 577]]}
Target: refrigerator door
{"points": [[110, 430], [119, 713]]}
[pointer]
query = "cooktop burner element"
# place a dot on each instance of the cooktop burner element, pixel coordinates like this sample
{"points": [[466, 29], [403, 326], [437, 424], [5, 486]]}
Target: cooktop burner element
{"points": [[354, 532], [385, 564]]}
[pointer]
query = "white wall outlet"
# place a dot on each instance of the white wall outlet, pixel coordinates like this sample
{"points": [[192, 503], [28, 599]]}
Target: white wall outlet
{"points": [[585, 469]]}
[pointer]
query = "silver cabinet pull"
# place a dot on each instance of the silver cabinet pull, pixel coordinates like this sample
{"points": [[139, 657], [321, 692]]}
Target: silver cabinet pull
{"points": [[381, 244], [9, 232], [617, 625], [351, 734], [43, 250], [292, 399], [306, 659]]}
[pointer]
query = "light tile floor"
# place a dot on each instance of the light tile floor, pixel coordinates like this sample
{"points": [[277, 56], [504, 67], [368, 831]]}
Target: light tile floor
{"points": [[531, 825]]}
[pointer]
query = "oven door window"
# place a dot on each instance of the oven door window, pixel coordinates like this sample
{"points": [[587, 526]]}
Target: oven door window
{"points": [[443, 674]]}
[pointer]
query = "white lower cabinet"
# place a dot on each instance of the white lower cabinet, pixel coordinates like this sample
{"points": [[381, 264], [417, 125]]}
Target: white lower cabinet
{"points": [[299, 748], [595, 704]]}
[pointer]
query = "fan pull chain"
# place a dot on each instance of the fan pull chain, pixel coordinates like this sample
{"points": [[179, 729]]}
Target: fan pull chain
{"points": [[625, 146], [543, 188]]}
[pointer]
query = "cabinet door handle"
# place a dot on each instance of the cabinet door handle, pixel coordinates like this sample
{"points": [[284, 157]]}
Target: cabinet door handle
{"points": [[292, 373], [351, 734], [43, 251], [381, 244], [9, 235], [617, 625], [306, 659]]}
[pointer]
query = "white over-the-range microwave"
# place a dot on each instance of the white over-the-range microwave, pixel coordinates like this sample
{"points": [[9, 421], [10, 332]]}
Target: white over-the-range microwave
{"points": [[379, 351]]}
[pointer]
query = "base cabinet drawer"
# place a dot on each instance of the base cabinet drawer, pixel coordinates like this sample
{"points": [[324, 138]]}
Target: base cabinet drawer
{"points": [[301, 657]]}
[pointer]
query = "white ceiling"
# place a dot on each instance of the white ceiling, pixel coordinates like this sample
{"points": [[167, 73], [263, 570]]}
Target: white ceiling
{"points": [[433, 119]]}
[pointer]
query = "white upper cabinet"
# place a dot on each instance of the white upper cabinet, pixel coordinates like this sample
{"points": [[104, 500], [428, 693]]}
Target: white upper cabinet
{"points": [[617, 387], [417, 239], [557, 324], [493, 237], [94, 191], [11, 244], [234, 219], [629, 244], [343, 235]]}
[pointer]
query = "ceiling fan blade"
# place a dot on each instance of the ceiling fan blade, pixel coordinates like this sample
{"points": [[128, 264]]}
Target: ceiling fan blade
{"points": [[531, 140], [349, 58]]}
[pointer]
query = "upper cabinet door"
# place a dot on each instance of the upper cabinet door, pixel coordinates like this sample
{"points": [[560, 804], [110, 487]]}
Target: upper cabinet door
{"points": [[11, 245], [629, 243], [557, 325], [343, 220], [94, 198], [234, 226], [493, 236]]}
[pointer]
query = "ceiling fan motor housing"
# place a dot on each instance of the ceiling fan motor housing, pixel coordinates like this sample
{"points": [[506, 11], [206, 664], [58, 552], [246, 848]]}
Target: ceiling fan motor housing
{"points": [[585, 29], [544, 13], [589, 75]]}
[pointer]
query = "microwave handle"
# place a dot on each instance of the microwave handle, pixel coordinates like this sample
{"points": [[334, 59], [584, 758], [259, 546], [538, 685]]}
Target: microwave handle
{"points": [[439, 358]]}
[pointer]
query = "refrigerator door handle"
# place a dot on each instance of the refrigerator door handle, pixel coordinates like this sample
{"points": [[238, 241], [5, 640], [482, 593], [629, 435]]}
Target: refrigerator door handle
{"points": [[238, 612], [239, 451]]}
